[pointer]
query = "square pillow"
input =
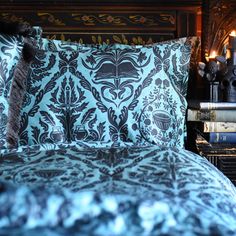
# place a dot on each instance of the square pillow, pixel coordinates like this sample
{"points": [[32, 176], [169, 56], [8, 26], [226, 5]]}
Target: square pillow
{"points": [[122, 94], [12, 40], [10, 51]]}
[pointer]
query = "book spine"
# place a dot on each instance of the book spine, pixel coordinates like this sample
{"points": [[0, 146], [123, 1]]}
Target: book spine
{"points": [[211, 115], [216, 137], [211, 105], [209, 126], [215, 106]]}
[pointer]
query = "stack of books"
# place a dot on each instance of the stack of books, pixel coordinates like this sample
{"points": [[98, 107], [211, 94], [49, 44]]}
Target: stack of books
{"points": [[214, 128], [223, 156], [216, 122]]}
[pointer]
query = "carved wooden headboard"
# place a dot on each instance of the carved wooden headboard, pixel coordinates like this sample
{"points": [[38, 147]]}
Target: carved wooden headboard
{"points": [[128, 21], [90, 21], [131, 22]]}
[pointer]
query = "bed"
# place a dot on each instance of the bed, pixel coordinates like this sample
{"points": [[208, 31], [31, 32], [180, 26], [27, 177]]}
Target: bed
{"points": [[92, 140]]}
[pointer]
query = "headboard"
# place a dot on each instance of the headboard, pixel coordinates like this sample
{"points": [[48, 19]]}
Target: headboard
{"points": [[131, 22], [126, 22]]}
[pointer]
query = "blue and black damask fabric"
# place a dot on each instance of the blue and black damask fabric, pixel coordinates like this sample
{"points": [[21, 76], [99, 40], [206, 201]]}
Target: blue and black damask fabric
{"points": [[10, 52], [75, 190], [110, 94]]}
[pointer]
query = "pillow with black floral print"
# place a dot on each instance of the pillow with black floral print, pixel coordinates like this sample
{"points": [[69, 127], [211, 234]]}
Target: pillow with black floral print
{"points": [[12, 38], [113, 95]]}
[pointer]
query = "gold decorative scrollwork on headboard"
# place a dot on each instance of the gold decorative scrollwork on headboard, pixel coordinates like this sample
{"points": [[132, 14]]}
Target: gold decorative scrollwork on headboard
{"points": [[13, 18], [100, 21], [92, 20], [103, 26], [125, 19], [114, 38], [134, 22], [50, 18]]}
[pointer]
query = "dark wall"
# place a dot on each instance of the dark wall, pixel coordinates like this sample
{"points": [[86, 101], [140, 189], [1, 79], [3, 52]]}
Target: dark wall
{"points": [[76, 2], [132, 22], [127, 22], [219, 19], [219, 16]]}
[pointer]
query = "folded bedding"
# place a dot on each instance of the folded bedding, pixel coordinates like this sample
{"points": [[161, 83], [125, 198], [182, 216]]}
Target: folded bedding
{"points": [[76, 190]]}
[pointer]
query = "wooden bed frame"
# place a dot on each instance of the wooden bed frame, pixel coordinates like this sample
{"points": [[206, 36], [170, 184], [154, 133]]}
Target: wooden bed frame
{"points": [[133, 23]]}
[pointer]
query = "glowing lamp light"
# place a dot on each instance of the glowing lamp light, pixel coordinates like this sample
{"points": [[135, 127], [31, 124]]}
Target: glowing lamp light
{"points": [[212, 56], [232, 47], [232, 40], [233, 33]]}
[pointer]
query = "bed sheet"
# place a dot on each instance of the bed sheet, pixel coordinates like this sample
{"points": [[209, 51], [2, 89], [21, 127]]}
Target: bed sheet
{"points": [[74, 189]]}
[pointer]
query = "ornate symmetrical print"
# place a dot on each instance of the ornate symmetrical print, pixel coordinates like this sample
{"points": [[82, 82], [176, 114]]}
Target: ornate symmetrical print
{"points": [[141, 190], [10, 49], [120, 93]]}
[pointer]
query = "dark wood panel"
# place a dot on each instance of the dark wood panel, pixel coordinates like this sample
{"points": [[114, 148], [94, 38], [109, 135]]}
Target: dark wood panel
{"points": [[105, 23], [99, 38], [98, 2], [127, 22], [89, 20], [219, 19]]}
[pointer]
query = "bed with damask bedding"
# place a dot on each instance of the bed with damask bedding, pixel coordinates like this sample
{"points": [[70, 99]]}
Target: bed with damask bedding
{"points": [[92, 142]]}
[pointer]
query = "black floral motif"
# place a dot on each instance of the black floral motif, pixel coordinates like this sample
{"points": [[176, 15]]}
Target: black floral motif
{"points": [[37, 94], [3, 72], [121, 67], [162, 62], [10, 51], [67, 106], [147, 190], [67, 103], [113, 94], [158, 124], [68, 64], [118, 131]]}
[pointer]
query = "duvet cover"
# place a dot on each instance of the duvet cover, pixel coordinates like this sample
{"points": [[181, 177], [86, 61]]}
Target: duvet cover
{"points": [[76, 189]]}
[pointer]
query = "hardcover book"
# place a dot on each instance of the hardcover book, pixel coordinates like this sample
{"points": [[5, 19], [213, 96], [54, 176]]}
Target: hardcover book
{"points": [[211, 115], [211, 126], [205, 105], [219, 137], [214, 149], [223, 137]]}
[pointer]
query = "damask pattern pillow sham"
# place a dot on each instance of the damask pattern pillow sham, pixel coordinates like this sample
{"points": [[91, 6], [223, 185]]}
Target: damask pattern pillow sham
{"points": [[58, 45], [13, 36], [131, 94], [11, 44], [10, 51]]}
